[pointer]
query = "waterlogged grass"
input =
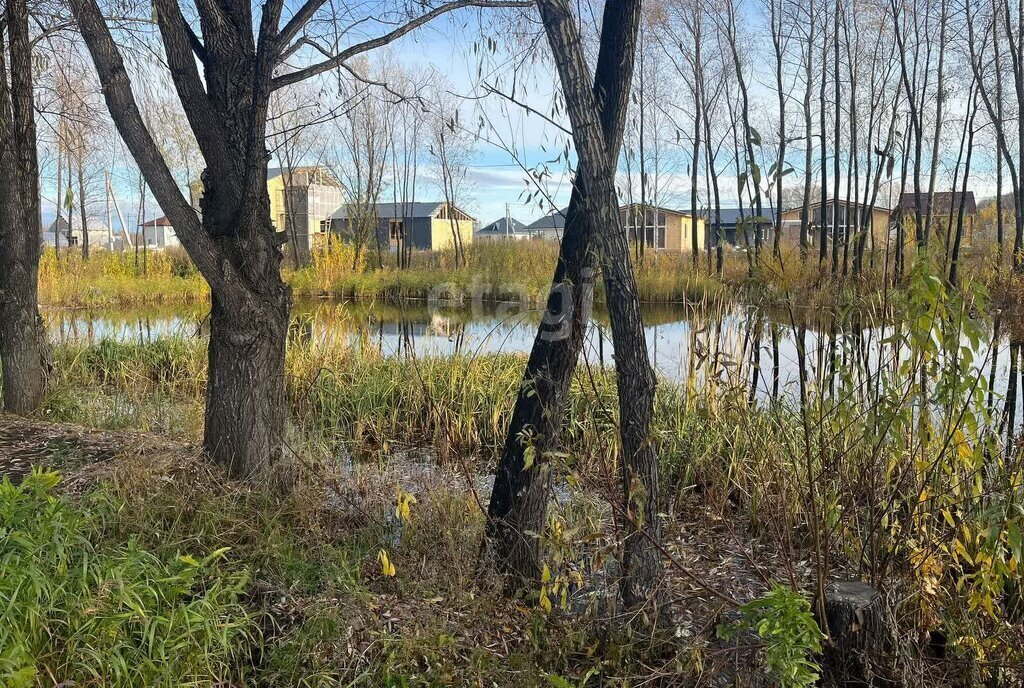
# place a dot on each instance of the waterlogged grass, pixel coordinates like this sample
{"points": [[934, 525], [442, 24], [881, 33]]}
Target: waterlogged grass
{"points": [[458, 405]]}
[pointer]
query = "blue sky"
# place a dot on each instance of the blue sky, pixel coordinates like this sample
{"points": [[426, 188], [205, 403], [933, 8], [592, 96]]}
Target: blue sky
{"points": [[495, 176]]}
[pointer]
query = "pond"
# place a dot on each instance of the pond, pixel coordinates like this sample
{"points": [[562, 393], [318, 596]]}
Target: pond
{"points": [[744, 345]]}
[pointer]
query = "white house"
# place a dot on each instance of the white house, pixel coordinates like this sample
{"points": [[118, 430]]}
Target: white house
{"points": [[159, 234], [58, 233]]}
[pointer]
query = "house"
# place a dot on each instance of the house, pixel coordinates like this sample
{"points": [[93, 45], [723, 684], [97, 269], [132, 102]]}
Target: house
{"points": [[301, 202], [502, 229], [846, 215], [662, 229], [736, 228], [58, 234], [425, 225], [550, 227], [944, 209], [156, 235], [309, 194]]}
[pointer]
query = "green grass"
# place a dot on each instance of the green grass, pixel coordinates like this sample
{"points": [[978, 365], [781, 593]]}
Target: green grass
{"points": [[78, 606]]}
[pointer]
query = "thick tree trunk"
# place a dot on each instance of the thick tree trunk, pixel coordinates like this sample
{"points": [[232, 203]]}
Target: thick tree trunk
{"points": [[245, 394], [23, 347], [642, 566], [520, 496]]}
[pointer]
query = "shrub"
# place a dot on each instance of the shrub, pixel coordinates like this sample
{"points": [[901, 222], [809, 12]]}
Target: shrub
{"points": [[77, 611]]}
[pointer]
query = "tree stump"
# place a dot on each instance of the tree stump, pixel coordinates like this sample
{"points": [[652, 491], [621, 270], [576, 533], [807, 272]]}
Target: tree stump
{"points": [[858, 641]]}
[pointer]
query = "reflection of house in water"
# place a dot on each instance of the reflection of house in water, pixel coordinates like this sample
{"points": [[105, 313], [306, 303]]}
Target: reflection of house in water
{"points": [[403, 328], [445, 327]]}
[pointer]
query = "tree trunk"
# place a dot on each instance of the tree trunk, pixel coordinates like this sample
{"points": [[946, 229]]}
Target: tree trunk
{"points": [[245, 394], [805, 209], [859, 637], [520, 496], [81, 204], [23, 348], [641, 562]]}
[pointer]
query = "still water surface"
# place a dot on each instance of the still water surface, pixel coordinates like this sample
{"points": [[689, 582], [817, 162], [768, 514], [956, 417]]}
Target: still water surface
{"points": [[758, 346]]}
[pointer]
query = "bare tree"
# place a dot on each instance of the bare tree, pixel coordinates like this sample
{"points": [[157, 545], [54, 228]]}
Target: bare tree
{"points": [[641, 562], [23, 347], [807, 55], [451, 147], [234, 244], [365, 136], [297, 141]]}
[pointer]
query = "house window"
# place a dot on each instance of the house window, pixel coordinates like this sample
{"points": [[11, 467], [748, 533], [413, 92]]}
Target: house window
{"points": [[649, 224], [397, 230]]}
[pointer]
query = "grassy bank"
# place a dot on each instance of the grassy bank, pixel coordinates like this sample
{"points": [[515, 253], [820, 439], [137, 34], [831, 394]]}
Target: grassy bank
{"points": [[890, 464], [111, 279], [188, 579]]}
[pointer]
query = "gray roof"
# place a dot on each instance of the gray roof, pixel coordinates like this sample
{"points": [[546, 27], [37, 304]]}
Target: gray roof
{"points": [[396, 210], [61, 225], [503, 226], [731, 216], [555, 220]]}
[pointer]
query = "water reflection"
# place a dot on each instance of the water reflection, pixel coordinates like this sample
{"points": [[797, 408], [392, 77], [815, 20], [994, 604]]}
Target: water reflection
{"points": [[756, 349]]}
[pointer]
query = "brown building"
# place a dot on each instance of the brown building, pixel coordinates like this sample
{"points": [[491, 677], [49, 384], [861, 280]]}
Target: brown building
{"points": [[662, 229], [944, 209], [846, 214]]}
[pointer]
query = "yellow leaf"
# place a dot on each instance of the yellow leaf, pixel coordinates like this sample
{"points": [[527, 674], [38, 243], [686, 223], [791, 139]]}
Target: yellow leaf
{"points": [[528, 455], [402, 510], [545, 602], [386, 567]]}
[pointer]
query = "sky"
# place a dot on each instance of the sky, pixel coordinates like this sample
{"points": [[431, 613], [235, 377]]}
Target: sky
{"points": [[511, 138]]}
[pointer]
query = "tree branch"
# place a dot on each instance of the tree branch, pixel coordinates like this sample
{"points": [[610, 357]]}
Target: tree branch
{"points": [[197, 45], [179, 51], [124, 110], [298, 21], [358, 48]]}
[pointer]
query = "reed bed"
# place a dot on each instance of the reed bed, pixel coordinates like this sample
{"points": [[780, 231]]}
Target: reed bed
{"points": [[501, 271], [119, 279]]}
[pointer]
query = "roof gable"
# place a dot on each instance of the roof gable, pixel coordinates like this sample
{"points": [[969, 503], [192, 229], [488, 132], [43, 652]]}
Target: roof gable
{"points": [[554, 220], [503, 226], [393, 210]]}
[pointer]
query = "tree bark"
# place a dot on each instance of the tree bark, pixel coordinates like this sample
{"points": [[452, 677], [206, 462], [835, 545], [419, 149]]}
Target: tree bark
{"points": [[245, 393], [641, 563], [23, 350], [519, 500]]}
